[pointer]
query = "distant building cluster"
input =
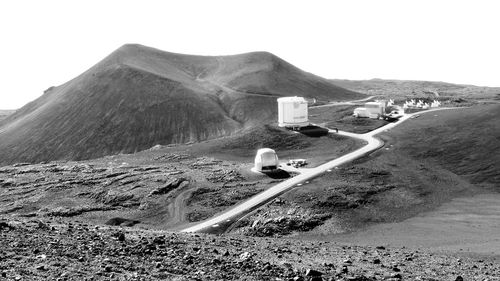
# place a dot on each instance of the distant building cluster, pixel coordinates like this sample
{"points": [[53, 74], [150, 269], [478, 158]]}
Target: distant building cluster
{"points": [[380, 109], [420, 104]]}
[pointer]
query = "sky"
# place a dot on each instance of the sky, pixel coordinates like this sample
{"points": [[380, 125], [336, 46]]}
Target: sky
{"points": [[46, 43]]}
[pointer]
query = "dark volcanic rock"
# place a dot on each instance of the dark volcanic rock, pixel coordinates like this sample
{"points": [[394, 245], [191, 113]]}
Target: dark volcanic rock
{"points": [[312, 272], [173, 184], [121, 221], [4, 225]]}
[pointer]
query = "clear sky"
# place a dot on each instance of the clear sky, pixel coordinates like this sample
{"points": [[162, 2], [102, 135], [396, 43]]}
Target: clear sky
{"points": [[45, 43]]}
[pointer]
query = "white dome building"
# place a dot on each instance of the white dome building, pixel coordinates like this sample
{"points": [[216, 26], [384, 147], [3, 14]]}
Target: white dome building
{"points": [[266, 160]]}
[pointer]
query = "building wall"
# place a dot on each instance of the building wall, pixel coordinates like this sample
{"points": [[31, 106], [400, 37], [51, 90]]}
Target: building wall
{"points": [[293, 112]]}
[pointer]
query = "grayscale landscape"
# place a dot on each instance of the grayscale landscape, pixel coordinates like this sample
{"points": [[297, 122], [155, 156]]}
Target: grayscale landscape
{"points": [[283, 140], [101, 175]]}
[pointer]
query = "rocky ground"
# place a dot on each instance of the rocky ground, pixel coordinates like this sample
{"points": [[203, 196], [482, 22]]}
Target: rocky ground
{"points": [[154, 193], [53, 249], [379, 189], [163, 187], [100, 219]]}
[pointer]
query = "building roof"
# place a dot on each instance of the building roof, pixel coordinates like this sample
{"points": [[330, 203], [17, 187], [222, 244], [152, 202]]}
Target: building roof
{"points": [[265, 150], [373, 103], [292, 99]]}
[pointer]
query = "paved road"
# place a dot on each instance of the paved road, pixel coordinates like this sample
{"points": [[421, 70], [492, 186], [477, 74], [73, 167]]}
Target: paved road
{"points": [[272, 192]]}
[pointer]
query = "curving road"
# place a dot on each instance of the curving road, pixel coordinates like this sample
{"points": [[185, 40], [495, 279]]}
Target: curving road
{"points": [[240, 209]]}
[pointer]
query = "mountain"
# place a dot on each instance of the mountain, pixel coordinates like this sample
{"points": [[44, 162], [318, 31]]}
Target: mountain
{"points": [[138, 97]]}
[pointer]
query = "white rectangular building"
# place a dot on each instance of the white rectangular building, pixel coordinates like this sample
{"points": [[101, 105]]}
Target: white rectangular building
{"points": [[293, 112]]}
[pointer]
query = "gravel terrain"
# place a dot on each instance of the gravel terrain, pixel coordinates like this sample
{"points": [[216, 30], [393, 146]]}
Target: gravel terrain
{"points": [[154, 194], [44, 249]]}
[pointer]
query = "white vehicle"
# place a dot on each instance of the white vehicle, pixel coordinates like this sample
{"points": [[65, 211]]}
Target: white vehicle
{"points": [[297, 162], [394, 115]]}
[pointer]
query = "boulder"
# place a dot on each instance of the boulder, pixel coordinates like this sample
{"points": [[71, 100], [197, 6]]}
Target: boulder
{"points": [[312, 272]]}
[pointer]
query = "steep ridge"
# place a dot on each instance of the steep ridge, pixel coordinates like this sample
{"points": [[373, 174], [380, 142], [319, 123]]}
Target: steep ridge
{"points": [[138, 97]]}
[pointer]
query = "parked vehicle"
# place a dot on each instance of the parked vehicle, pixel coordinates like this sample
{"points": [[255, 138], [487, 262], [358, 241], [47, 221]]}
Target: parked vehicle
{"points": [[393, 115], [297, 163]]}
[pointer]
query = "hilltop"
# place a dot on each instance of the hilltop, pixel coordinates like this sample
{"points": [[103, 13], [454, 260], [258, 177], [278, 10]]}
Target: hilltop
{"points": [[138, 97]]}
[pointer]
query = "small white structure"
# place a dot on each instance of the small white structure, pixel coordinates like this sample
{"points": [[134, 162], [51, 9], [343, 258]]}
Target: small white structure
{"points": [[266, 160], [373, 109], [435, 103], [410, 104], [292, 112], [420, 104], [361, 112]]}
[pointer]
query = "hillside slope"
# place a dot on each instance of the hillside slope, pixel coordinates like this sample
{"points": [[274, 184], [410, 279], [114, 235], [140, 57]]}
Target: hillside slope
{"points": [[418, 89], [464, 141], [5, 113], [425, 162], [138, 97]]}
